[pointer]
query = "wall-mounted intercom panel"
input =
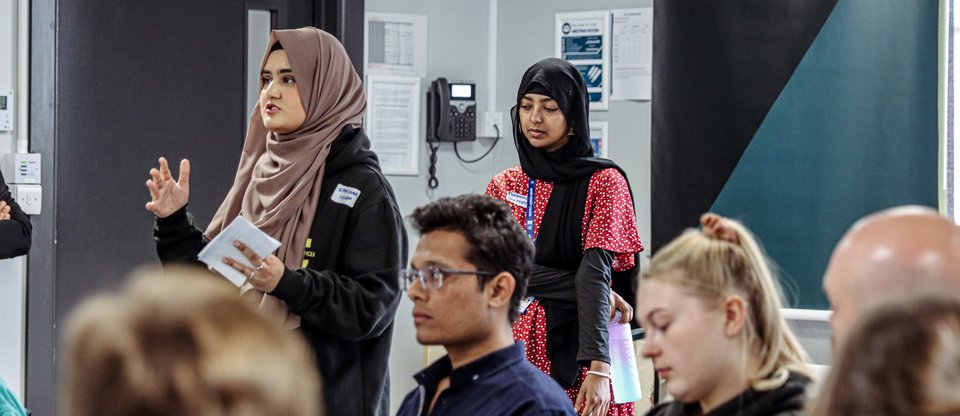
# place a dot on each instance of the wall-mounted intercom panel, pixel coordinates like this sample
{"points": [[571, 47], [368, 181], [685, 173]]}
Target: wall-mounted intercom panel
{"points": [[6, 110], [21, 168], [451, 111]]}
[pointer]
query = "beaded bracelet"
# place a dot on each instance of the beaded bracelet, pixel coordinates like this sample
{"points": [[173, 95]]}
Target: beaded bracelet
{"points": [[597, 373]]}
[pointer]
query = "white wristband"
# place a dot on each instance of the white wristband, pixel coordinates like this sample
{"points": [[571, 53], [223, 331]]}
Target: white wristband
{"points": [[597, 373]]}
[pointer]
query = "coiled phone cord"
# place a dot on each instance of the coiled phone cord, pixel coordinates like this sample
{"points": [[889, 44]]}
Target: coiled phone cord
{"points": [[432, 181]]}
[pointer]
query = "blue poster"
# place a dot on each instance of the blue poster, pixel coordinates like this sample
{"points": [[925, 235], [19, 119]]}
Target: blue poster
{"points": [[597, 149], [582, 47], [582, 39], [592, 75]]}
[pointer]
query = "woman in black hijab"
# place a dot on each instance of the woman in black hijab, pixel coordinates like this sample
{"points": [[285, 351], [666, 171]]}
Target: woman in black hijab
{"points": [[579, 211]]}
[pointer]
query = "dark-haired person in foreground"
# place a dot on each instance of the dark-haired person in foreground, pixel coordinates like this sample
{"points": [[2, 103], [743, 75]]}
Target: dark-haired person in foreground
{"points": [[468, 274]]}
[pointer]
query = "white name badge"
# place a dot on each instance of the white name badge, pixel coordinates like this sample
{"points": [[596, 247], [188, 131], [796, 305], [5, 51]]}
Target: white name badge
{"points": [[345, 195], [524, 303], [517, 199]]}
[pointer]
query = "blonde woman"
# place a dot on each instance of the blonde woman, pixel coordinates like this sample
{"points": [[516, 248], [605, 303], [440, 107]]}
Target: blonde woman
{"points": [[711, 309]]}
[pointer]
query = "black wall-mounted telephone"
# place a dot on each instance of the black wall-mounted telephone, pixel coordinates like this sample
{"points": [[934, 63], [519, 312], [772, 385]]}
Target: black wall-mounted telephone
{"points": [[451, 111]]}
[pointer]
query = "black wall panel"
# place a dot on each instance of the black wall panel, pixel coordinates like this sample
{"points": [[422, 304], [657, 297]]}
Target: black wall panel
{"points": [[115, 85]]}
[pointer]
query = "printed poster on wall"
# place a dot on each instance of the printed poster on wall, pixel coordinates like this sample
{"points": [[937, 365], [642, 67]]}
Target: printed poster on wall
{"points": [[583, 38], [395, 44], [631, 53], [598, 138], [393, 122]]}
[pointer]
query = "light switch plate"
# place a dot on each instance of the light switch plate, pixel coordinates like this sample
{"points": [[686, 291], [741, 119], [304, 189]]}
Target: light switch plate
{"points": [[28, 197]]}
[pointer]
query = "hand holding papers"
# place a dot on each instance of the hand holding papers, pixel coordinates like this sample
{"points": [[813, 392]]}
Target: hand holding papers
{"points": [[222, 246]]}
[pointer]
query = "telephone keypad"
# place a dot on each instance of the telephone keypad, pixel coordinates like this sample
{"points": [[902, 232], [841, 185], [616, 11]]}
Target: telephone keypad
{"points": [[463, 123]]}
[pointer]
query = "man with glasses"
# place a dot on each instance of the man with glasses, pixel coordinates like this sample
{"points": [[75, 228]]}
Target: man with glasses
{"points": [[468, 274]]}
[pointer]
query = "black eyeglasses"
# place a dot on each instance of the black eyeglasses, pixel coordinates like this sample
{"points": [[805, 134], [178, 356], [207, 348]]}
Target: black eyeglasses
{"points": [[431, 277]]}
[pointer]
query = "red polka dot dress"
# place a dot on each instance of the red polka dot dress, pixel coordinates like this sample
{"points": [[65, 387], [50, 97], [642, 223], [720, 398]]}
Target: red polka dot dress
{"points": [[609, 223]]}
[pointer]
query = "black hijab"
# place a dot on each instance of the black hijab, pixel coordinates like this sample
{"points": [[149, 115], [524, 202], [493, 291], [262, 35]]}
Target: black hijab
{"points": [[561, 81]]}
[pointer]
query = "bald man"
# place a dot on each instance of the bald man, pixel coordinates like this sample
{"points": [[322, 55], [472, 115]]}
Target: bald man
{"points": [[886, 253]]}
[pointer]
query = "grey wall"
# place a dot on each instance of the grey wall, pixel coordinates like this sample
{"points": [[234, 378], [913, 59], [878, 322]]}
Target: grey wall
{"points": [[457, 49]]}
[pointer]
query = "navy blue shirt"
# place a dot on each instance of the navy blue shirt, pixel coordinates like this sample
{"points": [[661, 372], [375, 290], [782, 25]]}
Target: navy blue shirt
{"points": [[500, 383]]}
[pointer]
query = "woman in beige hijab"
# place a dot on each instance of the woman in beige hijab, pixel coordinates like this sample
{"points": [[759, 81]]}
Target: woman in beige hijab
{"points": [[308, 178]]}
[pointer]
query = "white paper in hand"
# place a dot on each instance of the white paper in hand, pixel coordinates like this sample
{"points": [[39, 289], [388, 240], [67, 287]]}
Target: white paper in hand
{"points": [[222, 246]]}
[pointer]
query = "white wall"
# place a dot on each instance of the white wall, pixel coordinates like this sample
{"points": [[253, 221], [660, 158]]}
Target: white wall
{"points": [[12, 271], [457, 48]]}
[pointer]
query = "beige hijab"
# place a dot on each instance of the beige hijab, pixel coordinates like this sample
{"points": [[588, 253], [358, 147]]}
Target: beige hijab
{"points": [[278, 182]]}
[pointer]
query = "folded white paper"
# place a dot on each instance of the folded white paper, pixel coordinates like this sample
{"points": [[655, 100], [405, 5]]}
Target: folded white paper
{"points": [[222, 246]]}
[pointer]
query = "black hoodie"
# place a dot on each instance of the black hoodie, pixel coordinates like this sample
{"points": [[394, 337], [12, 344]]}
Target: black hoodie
{"points": [[786, 400], [14, 232], [347, 291]]}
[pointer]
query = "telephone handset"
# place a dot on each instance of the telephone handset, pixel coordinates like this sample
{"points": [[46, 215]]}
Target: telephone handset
{"points": [[451, 111]]}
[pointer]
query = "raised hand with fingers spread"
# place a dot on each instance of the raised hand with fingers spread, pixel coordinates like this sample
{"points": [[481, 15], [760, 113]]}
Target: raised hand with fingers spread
{"points": [[167, 195]]}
